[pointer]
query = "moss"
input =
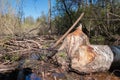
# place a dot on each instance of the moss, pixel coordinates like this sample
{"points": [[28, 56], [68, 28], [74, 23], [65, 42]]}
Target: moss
{"points": [[15, 57], [11, 57], [97, 40], [62, 54]]}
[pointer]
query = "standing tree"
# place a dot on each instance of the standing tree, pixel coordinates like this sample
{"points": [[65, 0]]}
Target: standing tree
{"points": [[49, 16]]}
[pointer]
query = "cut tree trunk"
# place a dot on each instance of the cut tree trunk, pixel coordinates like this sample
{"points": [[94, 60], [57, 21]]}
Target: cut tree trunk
{"points": [[84, 57], [92, 58]]}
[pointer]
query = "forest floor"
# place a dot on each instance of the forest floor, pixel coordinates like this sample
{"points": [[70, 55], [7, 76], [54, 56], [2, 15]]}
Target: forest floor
{"points": [[30, 54]]}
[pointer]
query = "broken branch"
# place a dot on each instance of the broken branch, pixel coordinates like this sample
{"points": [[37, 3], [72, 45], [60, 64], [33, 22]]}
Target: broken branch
{"points": [[68, 31]]}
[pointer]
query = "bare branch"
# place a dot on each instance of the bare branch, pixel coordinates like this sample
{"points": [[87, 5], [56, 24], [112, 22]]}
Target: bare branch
{"points": [[59, 40], [114, 14]]}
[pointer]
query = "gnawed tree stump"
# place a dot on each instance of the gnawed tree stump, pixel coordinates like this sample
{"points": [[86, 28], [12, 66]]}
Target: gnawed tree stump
{"points": [[84, 57], [74, 40], [87, 59]]}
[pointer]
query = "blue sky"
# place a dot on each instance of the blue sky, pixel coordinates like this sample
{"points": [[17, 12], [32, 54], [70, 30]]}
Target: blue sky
{"points": [[36, 7]]}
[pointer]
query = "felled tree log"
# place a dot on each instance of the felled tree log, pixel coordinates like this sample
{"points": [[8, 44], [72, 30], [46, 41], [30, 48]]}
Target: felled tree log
{"points": [[83, 56], [92, 58], [87, 59]]}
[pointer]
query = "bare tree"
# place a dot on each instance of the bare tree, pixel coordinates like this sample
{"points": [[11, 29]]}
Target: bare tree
{"points": [[49, 16]]}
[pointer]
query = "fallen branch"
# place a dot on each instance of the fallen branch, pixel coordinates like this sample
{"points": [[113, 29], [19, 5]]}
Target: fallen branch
{"points": [[39, 46], [6, 70], [68, 31], [19, 50], [32, 29], [114, 14]]}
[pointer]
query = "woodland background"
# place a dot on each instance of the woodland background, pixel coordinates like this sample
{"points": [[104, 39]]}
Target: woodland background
{"points": [[25, 41], [101, 21]]}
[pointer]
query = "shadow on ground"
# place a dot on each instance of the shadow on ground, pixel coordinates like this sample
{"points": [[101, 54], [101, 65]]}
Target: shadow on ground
{"points": [[14, 75]]}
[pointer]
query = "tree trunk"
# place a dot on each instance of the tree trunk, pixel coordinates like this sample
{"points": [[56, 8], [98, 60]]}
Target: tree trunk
{"points": [[49, 17]]}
